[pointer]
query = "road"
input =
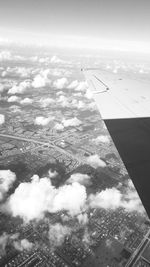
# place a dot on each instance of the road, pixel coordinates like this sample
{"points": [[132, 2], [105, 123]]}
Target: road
{"points": [[49, 144], [137, 253]]}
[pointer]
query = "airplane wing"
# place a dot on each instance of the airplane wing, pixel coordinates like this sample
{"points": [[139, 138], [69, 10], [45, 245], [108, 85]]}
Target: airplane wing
{"points": [[124, 104]]}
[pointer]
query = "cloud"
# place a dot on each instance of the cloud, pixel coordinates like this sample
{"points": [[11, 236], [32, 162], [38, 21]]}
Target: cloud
{"points": [[56, 72], [52, 174], [19, 71], [73, 84], [60, 93], [88, 94], [2, 119], [77, 94], [26, 101], [13, 98], [82, 86], [71, 122], [20, 88], [131, 199], [95, 161], [112, 198], [56, 60], [79, 104], [5, 55], [83, 218], [101, 139], [45, 102], [32, 199], [23, 72], [80, 178], [23, 244], [60, 83], [44, 60], [57, 234], [107, 199], [63, 100], [7, 178], [67, 123], [41, 79], [59, 127], [42, 120]]}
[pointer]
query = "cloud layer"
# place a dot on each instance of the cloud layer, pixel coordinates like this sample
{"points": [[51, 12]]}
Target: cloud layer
{"points": [[31, 200]]}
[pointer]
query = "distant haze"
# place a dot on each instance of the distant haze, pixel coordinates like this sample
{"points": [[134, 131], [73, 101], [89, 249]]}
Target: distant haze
{"points": [[113, 24]]}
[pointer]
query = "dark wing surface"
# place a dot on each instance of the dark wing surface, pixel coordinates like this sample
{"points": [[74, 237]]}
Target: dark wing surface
{"points": [[124, 104]]}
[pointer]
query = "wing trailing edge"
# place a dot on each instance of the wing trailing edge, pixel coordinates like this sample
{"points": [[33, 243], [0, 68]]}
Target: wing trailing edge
{"points": [[124, 105]]}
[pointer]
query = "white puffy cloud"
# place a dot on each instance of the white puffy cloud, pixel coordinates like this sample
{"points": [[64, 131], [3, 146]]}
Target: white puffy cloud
{"points": [[2, 119], [45, 102], [79, 104], [20, 88], [42, 120], [112, 198], [41, 79], [4, 73], [88, 94], [82, 86], [23, 72], [71, 122], [131, 199], [82, 218], [57, 234], [44, 60], [31, 200], [80, 178], [63, 100], [7, 178], [19, 71], [95, 161], [13, 98], [26, 101], [72, 103], [56, 72], [67, 123], [52, 174], [56, 59], [79, 94], [60, 83], [73, 84], [60, 93], [65, 195], [101, 139], [23, 244], [59, 127], [107, 199]]}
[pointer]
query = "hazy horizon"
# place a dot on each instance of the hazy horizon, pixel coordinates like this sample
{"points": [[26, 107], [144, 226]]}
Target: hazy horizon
{"points": [[111, 25]]}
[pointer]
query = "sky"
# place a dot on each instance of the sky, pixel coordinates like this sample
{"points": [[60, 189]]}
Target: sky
{"points": [[110, 22]]}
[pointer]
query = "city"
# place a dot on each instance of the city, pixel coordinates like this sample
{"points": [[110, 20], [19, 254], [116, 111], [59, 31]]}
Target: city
{"points": [[66, 197]]}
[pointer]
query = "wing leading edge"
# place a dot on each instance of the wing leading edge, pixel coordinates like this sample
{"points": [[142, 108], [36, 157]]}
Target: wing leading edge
{"points": [[124, 105]]}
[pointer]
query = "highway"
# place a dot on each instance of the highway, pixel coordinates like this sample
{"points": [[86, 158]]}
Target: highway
{"points": [[137, 253], [49, 144]]}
